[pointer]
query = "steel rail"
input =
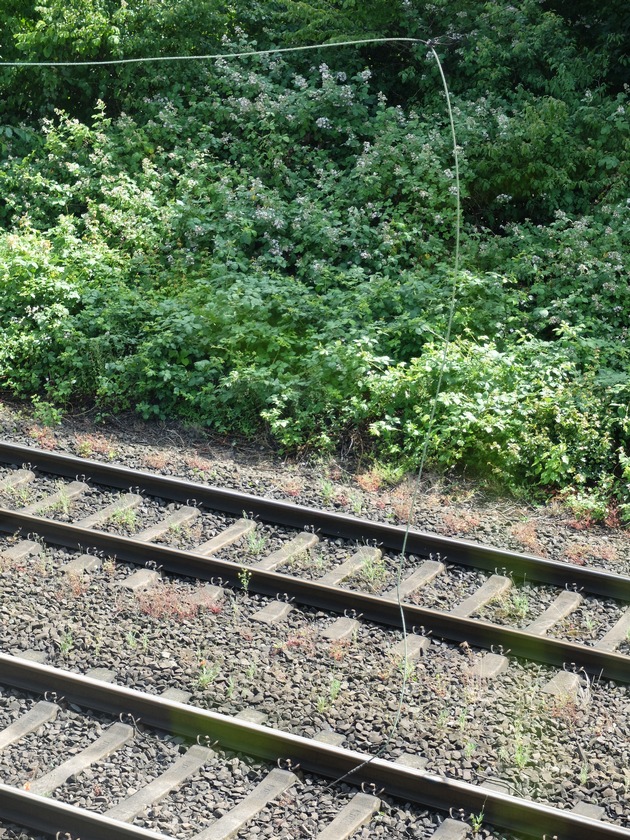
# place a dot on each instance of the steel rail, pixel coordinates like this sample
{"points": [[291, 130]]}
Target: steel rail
{"points": [[502, 810], [550, 651], [464, 552], [41, 813]]}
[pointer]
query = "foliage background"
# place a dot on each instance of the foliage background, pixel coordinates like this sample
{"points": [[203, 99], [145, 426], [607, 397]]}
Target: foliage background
{"points": [[266, 243]]}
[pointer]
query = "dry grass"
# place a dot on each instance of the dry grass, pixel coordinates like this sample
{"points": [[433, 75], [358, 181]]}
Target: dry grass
{"points": [[42, 436], [292, 487], [77, 584], [459, 523], [168, 601], [198, 463], [338, 649], [527, 535], [342, 498], [370, 481], [401, 501], [156, 460], [576, 553], [580, 551], [604, 551], [93, 444]]}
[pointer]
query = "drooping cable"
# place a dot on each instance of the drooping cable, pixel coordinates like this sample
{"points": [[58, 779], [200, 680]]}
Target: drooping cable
{"points": [[427, 436], [452, 301], [208, 57]]}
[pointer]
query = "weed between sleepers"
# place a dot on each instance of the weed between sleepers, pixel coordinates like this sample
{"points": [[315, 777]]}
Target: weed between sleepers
{"points": [[126, 518], [324, 703], [20, 496], [256, 542]]}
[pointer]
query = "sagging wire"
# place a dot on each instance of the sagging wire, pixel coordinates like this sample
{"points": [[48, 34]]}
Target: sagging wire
{"points": [[212, 56], [431, 44], [427, 437]]}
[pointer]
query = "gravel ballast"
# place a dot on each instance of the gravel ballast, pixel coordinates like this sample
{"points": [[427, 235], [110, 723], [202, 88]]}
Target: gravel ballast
{"points": [[555, 750]]}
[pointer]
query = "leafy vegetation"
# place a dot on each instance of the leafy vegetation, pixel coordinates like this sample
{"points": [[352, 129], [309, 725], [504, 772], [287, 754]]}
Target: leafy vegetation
{"points": [[267, 241]]}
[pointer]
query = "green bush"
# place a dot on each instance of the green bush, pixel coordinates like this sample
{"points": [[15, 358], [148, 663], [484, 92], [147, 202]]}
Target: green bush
{"points": [[527, 417], [268, 243]]}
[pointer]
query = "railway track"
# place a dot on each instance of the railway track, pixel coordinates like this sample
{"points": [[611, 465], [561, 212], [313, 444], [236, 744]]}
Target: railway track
{"points": [[31, 806], [348, 546]]}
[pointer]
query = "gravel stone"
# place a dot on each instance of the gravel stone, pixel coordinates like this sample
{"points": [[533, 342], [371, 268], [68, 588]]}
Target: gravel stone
{"points": [[553, 750]]}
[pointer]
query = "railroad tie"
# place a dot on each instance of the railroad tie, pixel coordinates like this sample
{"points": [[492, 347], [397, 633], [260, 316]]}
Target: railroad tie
{"points": [[105, 675], [21, 550], [127, 502], [252, 716], [566, 603], [341, 629], [586, 809], [32, 655], [564, 684], [356, 813], [493, 587], [616, 635], [15, 479], [116, 736], [207, 596], [272, 786], [365, 554], [411, 648], [60, 498], [451, 830], [172, 522], [490, 665], [327, 736], [429, 570], [289, 551], [273, 613], [418, 762], [177, 695], [140, 580], [231, 535], [41, 713], [181, 770], [82, 564]]}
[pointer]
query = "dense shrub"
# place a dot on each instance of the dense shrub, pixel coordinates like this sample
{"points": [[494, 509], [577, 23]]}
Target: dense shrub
{"points": [[269, 241]]}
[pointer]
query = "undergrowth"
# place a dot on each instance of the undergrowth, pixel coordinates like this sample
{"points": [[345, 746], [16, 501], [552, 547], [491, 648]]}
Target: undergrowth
{"points": [[265, 245]]}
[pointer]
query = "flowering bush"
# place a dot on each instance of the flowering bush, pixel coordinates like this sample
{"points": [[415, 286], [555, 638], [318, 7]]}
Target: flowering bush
{"points": [[268, 242]]}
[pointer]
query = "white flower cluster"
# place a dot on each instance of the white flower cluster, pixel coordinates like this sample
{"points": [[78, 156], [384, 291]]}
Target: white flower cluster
{"points": [[268, 214], [346, 94], [325, 72]]}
